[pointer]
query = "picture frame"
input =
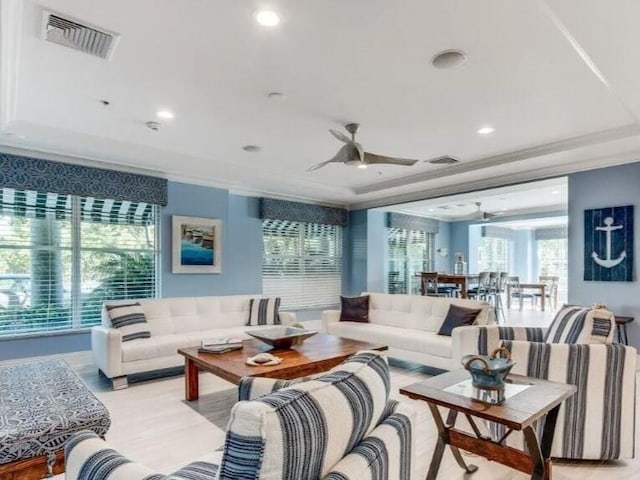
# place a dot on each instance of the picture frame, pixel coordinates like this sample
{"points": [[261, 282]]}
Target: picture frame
{"points": [[196, 245]]}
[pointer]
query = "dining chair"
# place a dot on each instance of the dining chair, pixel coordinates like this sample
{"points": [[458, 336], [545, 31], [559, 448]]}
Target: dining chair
{"points": [[517, 292], [430, 286], [551, 290], [481, 291], [496, 294]]}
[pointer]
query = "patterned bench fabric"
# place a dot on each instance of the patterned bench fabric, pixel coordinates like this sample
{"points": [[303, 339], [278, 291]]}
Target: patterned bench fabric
{"points": [[42, 404], [598, 422], [489, 337], [385, 454], [573, 324], [324, 418]]}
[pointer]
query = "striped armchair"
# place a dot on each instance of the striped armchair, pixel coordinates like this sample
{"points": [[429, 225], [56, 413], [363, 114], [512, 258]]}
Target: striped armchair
{"points": [[598, 422], [340, 426]]}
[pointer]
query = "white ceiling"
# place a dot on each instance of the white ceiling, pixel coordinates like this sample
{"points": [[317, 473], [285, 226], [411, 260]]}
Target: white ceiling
{"points": [[535, 197], [557, 79]]}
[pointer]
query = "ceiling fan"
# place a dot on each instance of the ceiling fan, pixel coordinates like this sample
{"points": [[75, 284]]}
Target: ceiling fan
{"points": [[480, 214], [353, 154]]}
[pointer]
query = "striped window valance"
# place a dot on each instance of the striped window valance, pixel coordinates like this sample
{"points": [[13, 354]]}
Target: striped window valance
{"points": [[273, 209], [33, 204], [498, 232], [411, 222], [551, 233], [35, 174]]}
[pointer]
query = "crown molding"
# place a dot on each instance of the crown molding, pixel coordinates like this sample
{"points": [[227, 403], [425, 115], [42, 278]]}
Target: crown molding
{"points": [[504, 180], [564, 145]]}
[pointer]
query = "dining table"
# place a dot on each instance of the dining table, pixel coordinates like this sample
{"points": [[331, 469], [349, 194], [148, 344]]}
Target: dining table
{"points": [[540, 287], [463, 281]]}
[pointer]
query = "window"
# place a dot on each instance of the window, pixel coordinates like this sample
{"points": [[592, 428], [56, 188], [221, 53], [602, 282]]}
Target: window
{"points": [[493, 255], [552, 260], [62, 256], [410, 252], [302, 263]]}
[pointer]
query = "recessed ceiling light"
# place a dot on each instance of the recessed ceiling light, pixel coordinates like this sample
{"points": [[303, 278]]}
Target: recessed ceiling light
{"points": [[166, 114], [431, 209], [555, 192], [363, 165], [448, 59], [267, 18], [251, 148], [488, 130], [504, 209]]}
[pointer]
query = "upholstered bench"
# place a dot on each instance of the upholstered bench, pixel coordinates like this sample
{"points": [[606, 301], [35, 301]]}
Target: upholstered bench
{"points": [[42, 404]]}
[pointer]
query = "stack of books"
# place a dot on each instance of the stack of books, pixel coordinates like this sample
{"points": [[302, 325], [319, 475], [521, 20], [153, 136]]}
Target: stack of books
{"points": [[220, 345]]}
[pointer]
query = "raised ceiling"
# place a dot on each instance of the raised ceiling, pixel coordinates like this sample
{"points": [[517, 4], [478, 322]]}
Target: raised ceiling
{"points": [[541, 197], [557, 79]]}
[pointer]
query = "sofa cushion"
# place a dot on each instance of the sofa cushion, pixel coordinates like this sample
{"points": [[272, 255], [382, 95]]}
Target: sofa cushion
{"points": [[401, 338], [264, 311], [354, 309], [574, 324], [458, 317], [129, 318], [324, 418]]}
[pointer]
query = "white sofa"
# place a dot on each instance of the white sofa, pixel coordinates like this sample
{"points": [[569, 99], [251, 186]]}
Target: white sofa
{"points": [[409, 325], [174, 323]]}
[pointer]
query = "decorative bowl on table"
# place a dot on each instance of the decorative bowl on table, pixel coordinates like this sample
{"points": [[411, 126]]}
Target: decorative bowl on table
{"points": [[489, 372], [282, 337]]}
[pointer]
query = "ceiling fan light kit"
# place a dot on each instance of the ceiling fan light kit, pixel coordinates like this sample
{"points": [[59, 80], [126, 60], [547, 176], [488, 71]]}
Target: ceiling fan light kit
{"points": [[352, 153]]}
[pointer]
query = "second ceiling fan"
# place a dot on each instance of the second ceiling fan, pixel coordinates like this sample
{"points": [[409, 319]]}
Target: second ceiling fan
{"points": [[353, 154]]}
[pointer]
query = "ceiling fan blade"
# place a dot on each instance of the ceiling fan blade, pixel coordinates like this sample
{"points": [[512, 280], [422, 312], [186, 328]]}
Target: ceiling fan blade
{"points": [[370, 158], [340, 157], [340, 136]]}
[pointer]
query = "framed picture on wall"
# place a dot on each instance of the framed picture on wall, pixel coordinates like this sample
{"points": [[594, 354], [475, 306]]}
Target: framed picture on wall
{"points": [[197, 246], [608, 244]]}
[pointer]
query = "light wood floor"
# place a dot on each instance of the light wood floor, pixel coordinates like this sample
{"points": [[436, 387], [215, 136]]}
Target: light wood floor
{"points": [[153, 424]]}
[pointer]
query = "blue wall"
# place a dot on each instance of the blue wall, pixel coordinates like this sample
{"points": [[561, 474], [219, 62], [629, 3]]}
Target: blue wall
{"points": [[355, 273], [607, 187]]}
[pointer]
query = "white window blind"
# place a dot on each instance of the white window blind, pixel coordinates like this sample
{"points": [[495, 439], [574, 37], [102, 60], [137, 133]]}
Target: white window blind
{"points": [[410, 252], [62, 256], [302, 263], [493, 255]]}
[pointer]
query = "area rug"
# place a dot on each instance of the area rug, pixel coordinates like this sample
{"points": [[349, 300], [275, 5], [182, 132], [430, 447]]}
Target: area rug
{"points": [[216, 406]]}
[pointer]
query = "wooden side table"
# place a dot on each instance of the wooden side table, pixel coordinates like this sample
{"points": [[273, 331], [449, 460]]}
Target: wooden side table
{"points": [[527, 400], [621, 327]]}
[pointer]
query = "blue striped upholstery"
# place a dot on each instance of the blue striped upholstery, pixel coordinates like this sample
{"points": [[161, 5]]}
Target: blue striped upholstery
{"points": [[489, 337], [355, 393], [251, 388], [597, 422], [573, 324], [338, 426]]}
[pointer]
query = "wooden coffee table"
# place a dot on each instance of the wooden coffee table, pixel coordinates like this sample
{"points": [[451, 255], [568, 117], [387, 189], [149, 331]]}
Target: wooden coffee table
{"points": [[317, 354], [518, 411]]}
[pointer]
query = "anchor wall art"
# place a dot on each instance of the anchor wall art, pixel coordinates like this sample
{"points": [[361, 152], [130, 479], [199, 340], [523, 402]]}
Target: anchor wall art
{"points": [[608, 244]]}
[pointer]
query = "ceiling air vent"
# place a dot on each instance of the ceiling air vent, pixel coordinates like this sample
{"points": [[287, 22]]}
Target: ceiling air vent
{"points": [[444, 160], [79, 36]]}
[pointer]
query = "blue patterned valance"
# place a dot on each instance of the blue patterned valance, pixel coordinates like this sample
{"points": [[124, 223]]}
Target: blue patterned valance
{"points": [[302, 212], [24, 173], [411, 222], [551, 233], [498, 232]]}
